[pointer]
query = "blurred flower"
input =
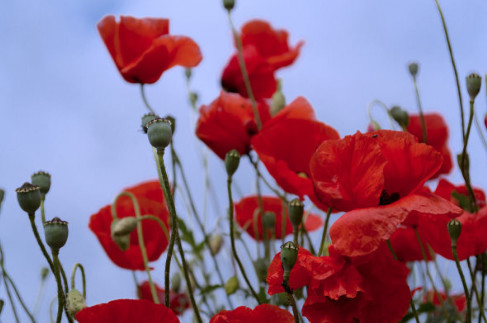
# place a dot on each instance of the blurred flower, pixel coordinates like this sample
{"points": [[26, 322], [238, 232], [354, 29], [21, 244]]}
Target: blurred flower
{"points": [[436, 136], [178, 302], [149, 196], [142, 49], [127, 311], [260, 314], [378, 178], [247, 211], [459, 300], [228, 123]]}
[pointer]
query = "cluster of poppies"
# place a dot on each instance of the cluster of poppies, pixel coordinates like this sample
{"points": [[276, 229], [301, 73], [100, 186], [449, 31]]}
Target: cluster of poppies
{"points": [[377, 180]]}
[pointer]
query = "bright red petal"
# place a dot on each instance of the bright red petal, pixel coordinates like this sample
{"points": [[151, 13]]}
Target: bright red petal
{"points": [[300, 274]]}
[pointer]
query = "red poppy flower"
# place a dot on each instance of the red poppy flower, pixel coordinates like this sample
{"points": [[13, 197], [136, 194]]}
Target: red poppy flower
{"points": [[142, 49], [260, 73], [260, 314], [270, 43], [436, 136], [247, 211], [406, 245], [286, 143], [149, 196], [459, 300], [178, 302], [454, 194], [127, 311], [377, 177], [228, 123]]}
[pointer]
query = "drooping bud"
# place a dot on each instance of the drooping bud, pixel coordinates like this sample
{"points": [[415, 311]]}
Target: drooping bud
{"points": [[229, 4], [289, 255], [474, 81], [278, 100], [413, 69], [56, 233], [231, 285], [124, 226], [146, 118], [176, 282], [159, 133], [261, 266], [454, 230], [44, 273], [43, 180], [269, 220], [216, 243], [373, 126], [29, 197], [123, 242], [232, 160], [75, 302], [400, 116], [296, 209]]}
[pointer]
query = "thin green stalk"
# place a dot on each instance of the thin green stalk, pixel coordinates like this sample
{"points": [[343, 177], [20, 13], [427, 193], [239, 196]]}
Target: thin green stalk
{"points": [[464, 169], [464, 282], [60, 293], [325, 231], [232, 239], [43, 214], [39, 298], [382, 104], [306, 235], [460, 100], [479, 130], [292, 301], [259, 174], [83, 277], [476, 292], [175, 233], [420, 108], [40, 243], [26, 310], [10, 298], [146, 103]]}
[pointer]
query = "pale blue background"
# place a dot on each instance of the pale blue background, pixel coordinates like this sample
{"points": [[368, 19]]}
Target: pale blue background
{"points": [[65, 109]]}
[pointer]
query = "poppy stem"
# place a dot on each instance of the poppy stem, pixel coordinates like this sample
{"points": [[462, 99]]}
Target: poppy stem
{"points": [[420, 108], [43, 215], [460, 100], [464, 282], [245, 74], [144, 98], [10, 298], [66, 290], [475, 290], [60, 293], [479, 130], [292, 301], [382, 104], [325, 232], [232, 240], [83, 277], [166, 188]]}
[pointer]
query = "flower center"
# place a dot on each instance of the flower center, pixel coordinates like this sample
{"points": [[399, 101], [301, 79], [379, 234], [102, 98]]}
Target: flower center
{"points": [[386, 198]]}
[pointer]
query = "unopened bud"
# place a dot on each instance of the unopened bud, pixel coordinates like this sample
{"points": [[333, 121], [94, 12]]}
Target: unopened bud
{"points": [[159, 133], [413, 69], [232, 160], [373, 126], [146, 118], [123, 242], [124, 226], [216, 243], [187, 73], [56, 233], [172, 120], [44, 273], [261, 266], [75, 302], [231, 285], [29, 197], [296, 210], [43, 180], [229, 4], [400, 116], [269, 220], [454, 230], [289, 255], [474, 81]]}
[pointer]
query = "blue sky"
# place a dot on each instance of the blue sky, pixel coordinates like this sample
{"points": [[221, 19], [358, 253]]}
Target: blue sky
{"points": [[65, 109]]}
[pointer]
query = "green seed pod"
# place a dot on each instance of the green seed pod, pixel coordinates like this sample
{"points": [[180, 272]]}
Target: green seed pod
{"points": [[43, 180], [296, 210], [400, 116], [229, 4], [172, 120], [56, 233], [176, 282], [75, 302], [261, 266], [413, 69], [124, 226], [29, 197], [269, 220], [232, 160], [44, 273], [289, 255], [231, 285], [146, 118], [454, 230], [474, 82], [159, 133], [123, 242], [216, 243]]}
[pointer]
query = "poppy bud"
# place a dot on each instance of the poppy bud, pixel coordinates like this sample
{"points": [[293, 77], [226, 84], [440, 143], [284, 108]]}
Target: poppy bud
{"points": [[193, 98], [216, 243], [413, 69], [187, 73], [43, 180], [173, 123], [474, 81], [176, 282], [159, 133], [231, 285], [400, 116], [146, 118], [289, 255], [261, 266], [232, 160], [56, 233], [29, 197], [454, 230], [123, 242], [75, 302], [124, 226], [44, 272], [296, 209], [278, 100], [269, 220], [229, 4], [373, 126]]}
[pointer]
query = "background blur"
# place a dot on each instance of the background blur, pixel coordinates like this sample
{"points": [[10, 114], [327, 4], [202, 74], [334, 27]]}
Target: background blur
{"points": [[65, 109]]}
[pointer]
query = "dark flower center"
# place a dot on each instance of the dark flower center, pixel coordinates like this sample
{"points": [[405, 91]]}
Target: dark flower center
{"points": [[386, 198]]}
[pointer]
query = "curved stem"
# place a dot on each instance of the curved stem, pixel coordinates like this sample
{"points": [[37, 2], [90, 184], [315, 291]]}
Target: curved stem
{"points": [[325, 231], [292, 301], [232, 239], [10, 298], [464, 282], [382, 104], [475, 290], [60, 293], [83, 277], [464, 167], [40, 243], [146, 103], [31, 317], [43, 214], [420, 108]]}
